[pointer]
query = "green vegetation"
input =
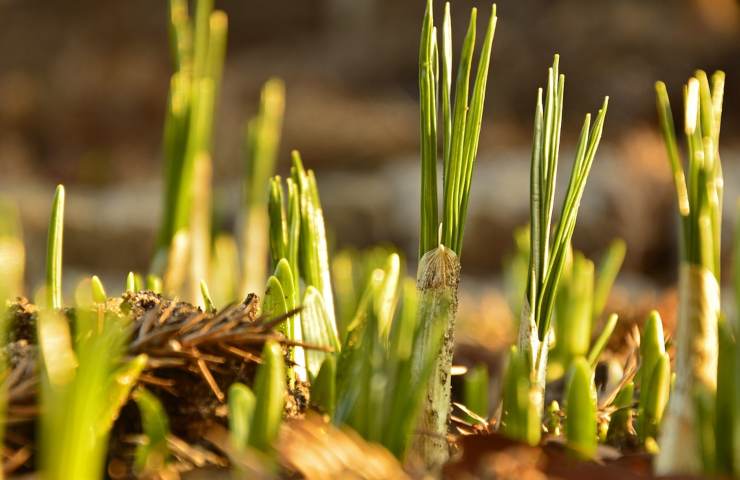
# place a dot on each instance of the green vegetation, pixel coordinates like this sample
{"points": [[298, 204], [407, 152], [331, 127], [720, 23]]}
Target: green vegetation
{"points": [[441, 239], [349, 335], [685, 446]]}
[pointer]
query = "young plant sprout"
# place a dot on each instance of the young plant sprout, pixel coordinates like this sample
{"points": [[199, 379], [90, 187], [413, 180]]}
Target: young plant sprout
{"points": [[580, 410], [440, 239], [270, 392], [521, 415], [548, 253], [298, 250], [54, 251], [699, 194]]}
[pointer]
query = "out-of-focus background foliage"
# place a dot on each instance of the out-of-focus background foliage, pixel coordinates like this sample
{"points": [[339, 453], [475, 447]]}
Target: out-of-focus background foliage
{"points": [[83, 88]]}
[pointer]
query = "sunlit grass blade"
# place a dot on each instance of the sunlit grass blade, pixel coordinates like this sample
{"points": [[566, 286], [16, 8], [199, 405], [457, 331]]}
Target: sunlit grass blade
{"points": [[54, 251]]}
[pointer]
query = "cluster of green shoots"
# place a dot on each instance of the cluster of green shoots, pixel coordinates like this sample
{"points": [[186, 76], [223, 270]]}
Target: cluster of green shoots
{"points": [[373, 346]]}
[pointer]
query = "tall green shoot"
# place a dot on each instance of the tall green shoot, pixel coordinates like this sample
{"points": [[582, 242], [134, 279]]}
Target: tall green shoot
{"points": [[441, 239], [548, 251], [699, 194]]}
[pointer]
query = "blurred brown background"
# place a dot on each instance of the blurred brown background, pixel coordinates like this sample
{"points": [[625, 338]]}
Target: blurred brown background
{"points": [[83, 87]]}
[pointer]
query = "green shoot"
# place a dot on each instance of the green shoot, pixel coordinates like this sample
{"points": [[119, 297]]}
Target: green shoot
{"points": [[154, 283], [324, 387], [684, 440], [548, 252], [351, 271], [242, 402], [130, 283], [601, 341], [475, 390], [654, 388], [580, 410], [520, 418], [54, 251], [81, 390], [119, 390], [269, 388], [317, 329], [138, 282], [441, 239], [151, 456], [299, 250], [262, 142], [573, 312], [652, 347], [381, 381], [206, 296], [620, 423], [98, 290], [656, 397], [461, 126], [314, 256]]}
